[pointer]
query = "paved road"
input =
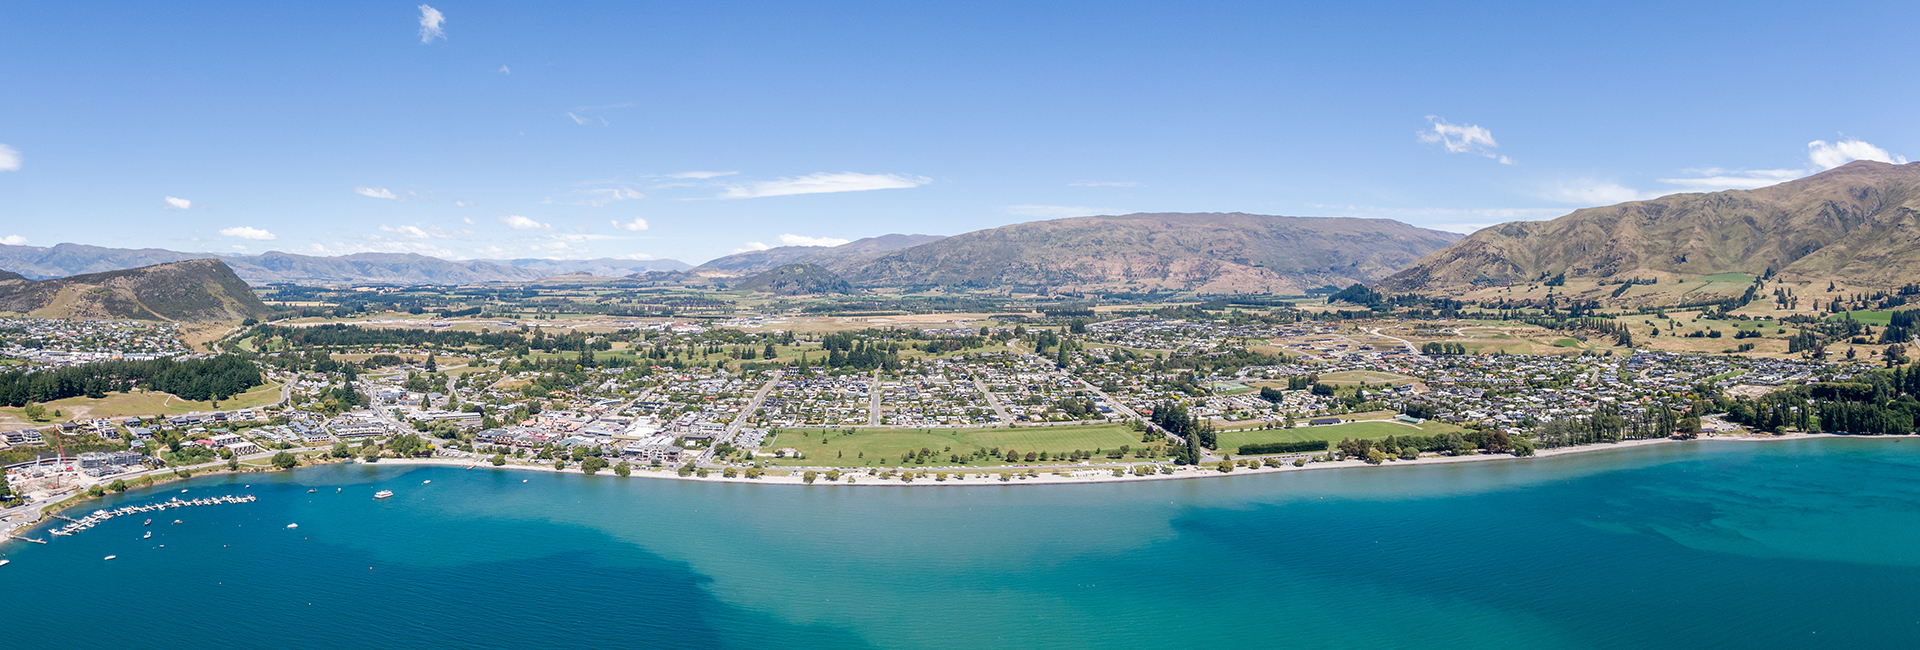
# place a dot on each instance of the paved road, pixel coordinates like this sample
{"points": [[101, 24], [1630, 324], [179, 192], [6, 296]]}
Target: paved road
{"points": [[1410, 346], [873, 400], [740, 421]]}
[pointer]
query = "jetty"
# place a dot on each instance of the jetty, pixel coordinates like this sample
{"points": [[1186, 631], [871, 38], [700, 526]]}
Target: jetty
{"points": [[98, 516]]}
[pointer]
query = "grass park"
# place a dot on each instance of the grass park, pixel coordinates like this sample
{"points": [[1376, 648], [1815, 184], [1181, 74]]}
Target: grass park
{"points": [[1230, 441], [148, 403], [882, 447]]}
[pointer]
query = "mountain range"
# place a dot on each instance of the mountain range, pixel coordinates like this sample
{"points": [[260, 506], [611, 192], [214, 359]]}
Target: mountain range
{"points": [[63, 260], [837, 258], [1857, 224]]}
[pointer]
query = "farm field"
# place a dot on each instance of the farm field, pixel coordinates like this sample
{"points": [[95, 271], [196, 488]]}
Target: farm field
{"points": [[879, 447]]}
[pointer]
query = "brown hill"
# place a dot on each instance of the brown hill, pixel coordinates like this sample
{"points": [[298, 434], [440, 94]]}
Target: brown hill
{"points": [[192, 292], [833, 257], [1854, 224], [1205, 252]]}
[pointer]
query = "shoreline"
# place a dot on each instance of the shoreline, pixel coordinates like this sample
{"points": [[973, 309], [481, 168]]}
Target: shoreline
{"points": [[1070, 475]]}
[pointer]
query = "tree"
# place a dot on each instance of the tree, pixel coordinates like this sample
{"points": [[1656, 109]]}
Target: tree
{"points": [[284, 460], [117, 485], [809, 477], [559, 463], [1225, 466], [623, 469], [36, 412], [372, 455], [593, 464], [340, 450], [95, 491], [1376, 457], [499, 460], [233, 464]]}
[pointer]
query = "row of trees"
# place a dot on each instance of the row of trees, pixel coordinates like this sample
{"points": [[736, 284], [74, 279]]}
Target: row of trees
{"points": [[213, 378]]}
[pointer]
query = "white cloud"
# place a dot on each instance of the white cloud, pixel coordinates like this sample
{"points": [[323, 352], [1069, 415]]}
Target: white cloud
{"points": [[1828, 156], [1821, 156], [1462, 138], [177, 203], [9, 159], [803, 240], [1592, 192], [429, 232], [823, 183], [1713, 179], [700, 175], [637, 225], [13, 240], [751, 246], [1103, 184], [602, 196], [376, 192], [576, 119], [505, 70], [430, 21], [463, 204], [246, 232], [518, 222], [1055, 211]]}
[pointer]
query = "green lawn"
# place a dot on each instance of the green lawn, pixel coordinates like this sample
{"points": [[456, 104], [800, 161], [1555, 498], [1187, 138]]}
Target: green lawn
{"points": [[1232, 440], [1356, 377], [1881, 318], [880, 447], [1741, 278]]}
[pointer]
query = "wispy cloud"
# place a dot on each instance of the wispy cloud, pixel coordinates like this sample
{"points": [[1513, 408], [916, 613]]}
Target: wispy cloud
{"points": [[463, 204], [744, 248], [430, 24], [1462, 138], [177, 203], [1055, 211], [376, 192], [9, 160], [823, 183], [583, 121], [13, 240], [1821, 156], [1103, 184], [1460, 220], [246, 232], [518, 222], [428, 232], [505, 70], [700, 175], [803, 240], [597, 197], [637, 225], [1587, 191]]}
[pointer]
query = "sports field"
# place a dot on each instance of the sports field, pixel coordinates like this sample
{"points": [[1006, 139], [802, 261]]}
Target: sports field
{"points": [[881, 447], [152, 403], [1356, 377]]}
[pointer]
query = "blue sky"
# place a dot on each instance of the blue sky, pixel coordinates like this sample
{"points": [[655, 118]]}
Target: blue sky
{"points": [[691, 130]]}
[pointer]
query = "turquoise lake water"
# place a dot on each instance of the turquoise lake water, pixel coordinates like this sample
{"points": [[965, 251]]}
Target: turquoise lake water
{"points": [[1805, 544]]}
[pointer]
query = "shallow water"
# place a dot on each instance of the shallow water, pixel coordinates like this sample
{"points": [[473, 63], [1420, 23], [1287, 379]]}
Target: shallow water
{"points": [[1703, 545]]}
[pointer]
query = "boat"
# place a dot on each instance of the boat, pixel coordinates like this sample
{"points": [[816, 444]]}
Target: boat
{"points": [[5, 562], [523, 480], [183, 490], [426, 481], [383, 494], [111, 557], [148, 535], [176, 521], [148, 523], [313, 490], [293, 525]]}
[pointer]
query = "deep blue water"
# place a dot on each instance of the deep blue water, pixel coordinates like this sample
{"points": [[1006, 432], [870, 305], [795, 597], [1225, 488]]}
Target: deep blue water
{"points": [[1807, 544]]}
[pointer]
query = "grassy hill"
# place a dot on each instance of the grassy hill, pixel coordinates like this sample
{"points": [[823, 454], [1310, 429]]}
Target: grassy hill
{"points": [[1858, 224], [191, 292], [797, 279]]}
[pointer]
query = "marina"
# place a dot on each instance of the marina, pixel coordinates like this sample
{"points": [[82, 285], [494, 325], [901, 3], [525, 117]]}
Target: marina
{"points": [[98, 516]]}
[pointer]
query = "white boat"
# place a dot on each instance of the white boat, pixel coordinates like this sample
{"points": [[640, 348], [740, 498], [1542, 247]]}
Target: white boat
{"points": [[426, 481], [5, 562], [383, 494], [112, 556], [148, 523], [149, 534], [293, 525]]}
